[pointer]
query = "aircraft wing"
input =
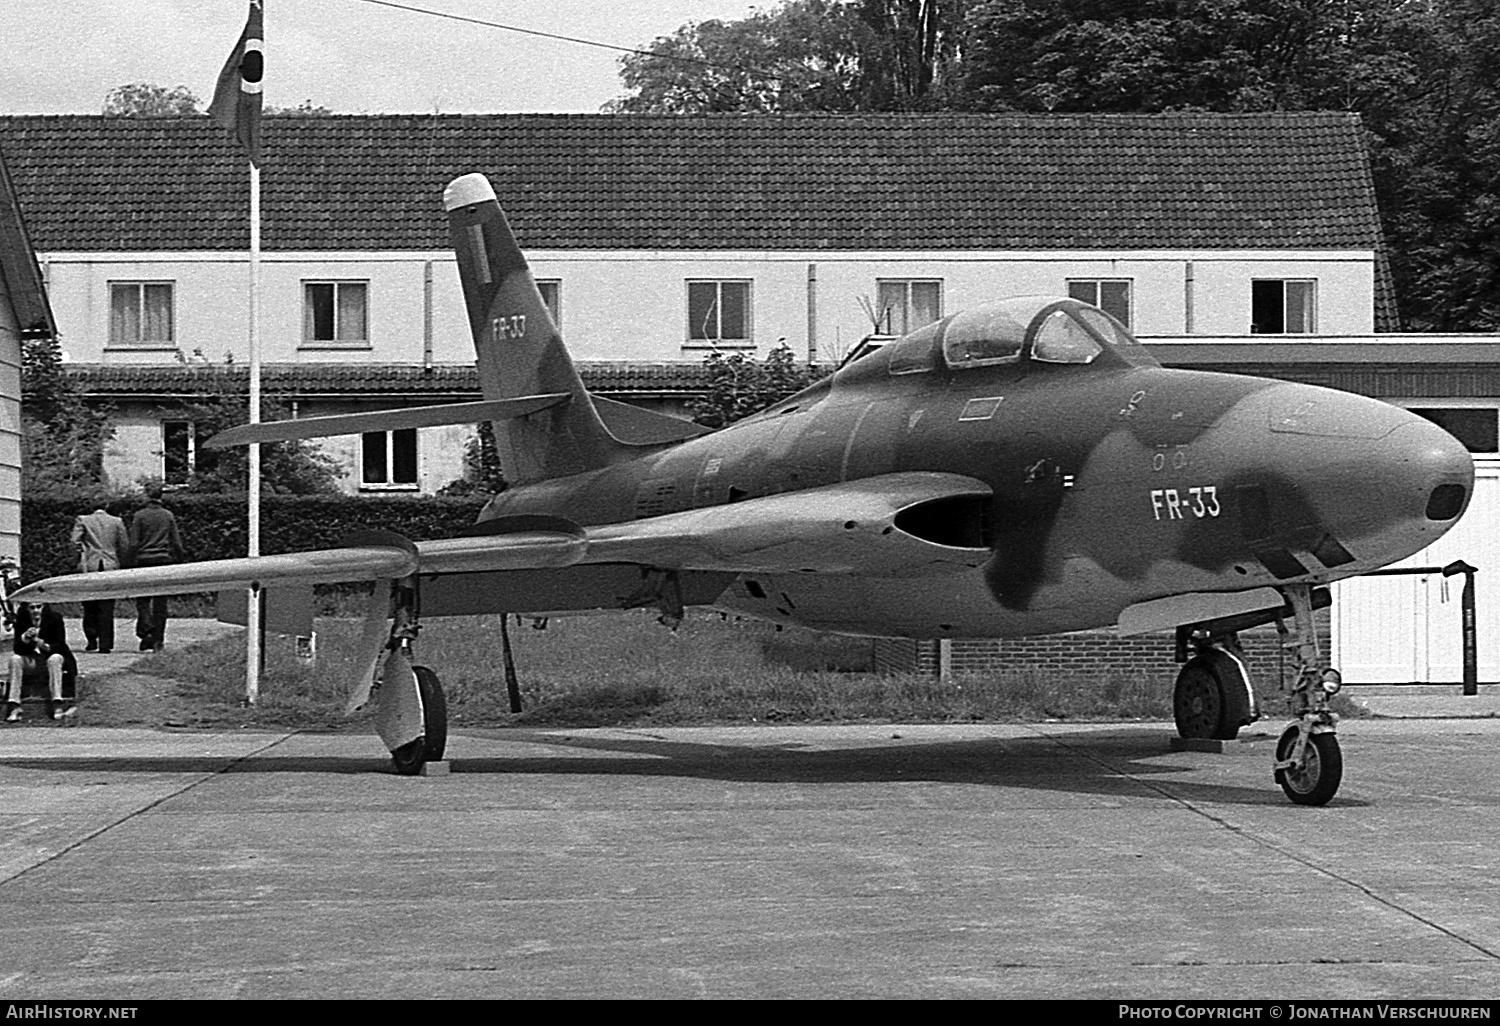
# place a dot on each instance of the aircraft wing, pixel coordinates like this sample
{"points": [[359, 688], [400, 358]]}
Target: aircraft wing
{"points": [[891, 525]]}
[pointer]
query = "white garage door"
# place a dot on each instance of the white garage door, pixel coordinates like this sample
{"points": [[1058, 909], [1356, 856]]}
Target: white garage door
{"points": [[1402, 630]]}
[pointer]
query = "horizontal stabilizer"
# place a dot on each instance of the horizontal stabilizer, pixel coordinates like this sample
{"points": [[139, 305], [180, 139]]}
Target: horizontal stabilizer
{"points": [[386, 420], [636, 426]]}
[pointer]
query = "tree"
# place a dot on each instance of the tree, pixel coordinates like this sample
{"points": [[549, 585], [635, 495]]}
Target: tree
{"points": [[286, 468], [915, 50], [738, 386], [1140, 56], [833, 56], [62, 439], [148, 100], [1436, 155], [482, 471], [1424, 76], [305, 108]]}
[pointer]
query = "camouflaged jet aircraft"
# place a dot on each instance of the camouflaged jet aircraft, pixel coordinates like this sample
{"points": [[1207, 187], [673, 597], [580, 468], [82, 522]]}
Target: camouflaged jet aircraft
{"points": [[1021, 468]]}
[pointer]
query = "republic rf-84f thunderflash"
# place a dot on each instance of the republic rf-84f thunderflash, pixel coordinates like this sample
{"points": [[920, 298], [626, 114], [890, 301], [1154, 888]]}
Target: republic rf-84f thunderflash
{"points": [[1024, 467]]}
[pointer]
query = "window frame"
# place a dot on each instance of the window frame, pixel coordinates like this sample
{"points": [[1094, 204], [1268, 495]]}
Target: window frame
{"points": [[719, 341], [1312, 305], [309, 322], [140, 341], [554, 306], [390, 457], [1096, 285], [886, 324]]}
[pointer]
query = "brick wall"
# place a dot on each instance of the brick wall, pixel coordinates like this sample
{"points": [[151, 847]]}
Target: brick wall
{"points": [[1086, 653]]}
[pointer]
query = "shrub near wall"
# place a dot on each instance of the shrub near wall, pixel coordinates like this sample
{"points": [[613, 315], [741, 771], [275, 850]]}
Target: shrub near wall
{"points": [[215, 526]]}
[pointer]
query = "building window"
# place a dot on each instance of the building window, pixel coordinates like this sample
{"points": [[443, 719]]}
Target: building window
{"points": [[1282, 307], [719, 311], [179, 451], [1112, 295], [1478, 427], [388, 459], [140, 313], [335, 311], [551, 290], [904, 305]]}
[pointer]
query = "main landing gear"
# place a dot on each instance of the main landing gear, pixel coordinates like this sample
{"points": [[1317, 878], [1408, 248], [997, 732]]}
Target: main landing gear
{"points": [[1213, 698], [411, 712]]}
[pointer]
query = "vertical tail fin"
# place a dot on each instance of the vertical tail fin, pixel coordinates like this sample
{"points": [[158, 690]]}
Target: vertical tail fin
{"points": [[519, 349]]}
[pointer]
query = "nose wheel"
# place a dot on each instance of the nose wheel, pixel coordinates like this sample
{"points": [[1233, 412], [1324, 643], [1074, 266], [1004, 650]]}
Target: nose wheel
{"points": [[1309, 765]]}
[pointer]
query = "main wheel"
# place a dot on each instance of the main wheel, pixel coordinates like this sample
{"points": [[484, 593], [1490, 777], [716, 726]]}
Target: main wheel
{"points": [[1317, 781], [1212, 697], [434, 712], [412, 756]]}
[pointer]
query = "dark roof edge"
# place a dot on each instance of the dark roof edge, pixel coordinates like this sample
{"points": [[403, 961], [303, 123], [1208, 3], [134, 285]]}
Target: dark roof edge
{"points": [[23, 276]]}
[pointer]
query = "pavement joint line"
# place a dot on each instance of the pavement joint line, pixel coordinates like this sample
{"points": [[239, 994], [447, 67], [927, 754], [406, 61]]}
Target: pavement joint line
{"points": [[1273, 846], [80, 842]]}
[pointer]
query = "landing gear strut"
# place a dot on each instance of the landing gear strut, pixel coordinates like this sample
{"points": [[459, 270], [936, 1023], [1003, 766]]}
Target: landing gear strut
{"points": [[1309, 765]]}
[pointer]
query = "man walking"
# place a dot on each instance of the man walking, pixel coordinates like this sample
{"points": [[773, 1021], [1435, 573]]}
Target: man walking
{"points": [[102, 545], [154, 541]]}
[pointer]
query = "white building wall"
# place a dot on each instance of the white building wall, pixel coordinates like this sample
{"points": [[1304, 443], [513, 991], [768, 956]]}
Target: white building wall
{"points": [[10, 428], [134, 454], [633, 305], [1409, 629]]}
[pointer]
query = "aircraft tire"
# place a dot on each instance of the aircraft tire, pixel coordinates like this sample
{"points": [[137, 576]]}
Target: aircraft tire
{"points": [[412, 756], [434, 712], [1325, 768], [1212, 697]]}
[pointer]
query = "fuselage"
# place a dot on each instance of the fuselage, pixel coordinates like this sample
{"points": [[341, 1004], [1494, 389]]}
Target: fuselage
{"points": [[1114, 480]]}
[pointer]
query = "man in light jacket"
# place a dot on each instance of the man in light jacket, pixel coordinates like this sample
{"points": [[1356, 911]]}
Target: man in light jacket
{"points": [[103, 544]]}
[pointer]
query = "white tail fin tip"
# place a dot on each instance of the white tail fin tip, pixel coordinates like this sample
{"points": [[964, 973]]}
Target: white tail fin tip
{"points": [[467, 191]]}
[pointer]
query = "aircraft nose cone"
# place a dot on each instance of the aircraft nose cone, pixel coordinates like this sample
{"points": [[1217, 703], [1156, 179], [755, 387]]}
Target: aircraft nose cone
{"points": [[1383, 481], [1435, 468]]}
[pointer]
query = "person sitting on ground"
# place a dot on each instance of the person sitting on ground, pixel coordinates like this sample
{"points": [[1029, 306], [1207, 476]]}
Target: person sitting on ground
{"points": [[41, 644]]}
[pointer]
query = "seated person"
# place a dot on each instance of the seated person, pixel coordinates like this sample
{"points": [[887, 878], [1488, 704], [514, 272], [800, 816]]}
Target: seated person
{"points": [[41, 645]]}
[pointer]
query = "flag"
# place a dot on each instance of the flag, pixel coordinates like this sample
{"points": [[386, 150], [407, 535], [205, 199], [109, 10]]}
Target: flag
{"points": [[237, 97]]}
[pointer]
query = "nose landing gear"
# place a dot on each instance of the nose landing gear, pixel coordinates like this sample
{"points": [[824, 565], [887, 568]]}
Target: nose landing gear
{"points": [[1309, 765]]}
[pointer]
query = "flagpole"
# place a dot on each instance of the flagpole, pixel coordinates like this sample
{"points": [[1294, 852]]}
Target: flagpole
{"points": [[252, 605], [237, 106]]}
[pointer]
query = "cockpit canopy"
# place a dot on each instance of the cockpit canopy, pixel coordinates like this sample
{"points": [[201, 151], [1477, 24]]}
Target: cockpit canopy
{"points": [[1046, 329]]}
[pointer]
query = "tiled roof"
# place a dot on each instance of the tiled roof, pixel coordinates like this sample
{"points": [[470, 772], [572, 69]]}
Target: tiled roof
{"points": [[378, 382], [820, 182]]}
